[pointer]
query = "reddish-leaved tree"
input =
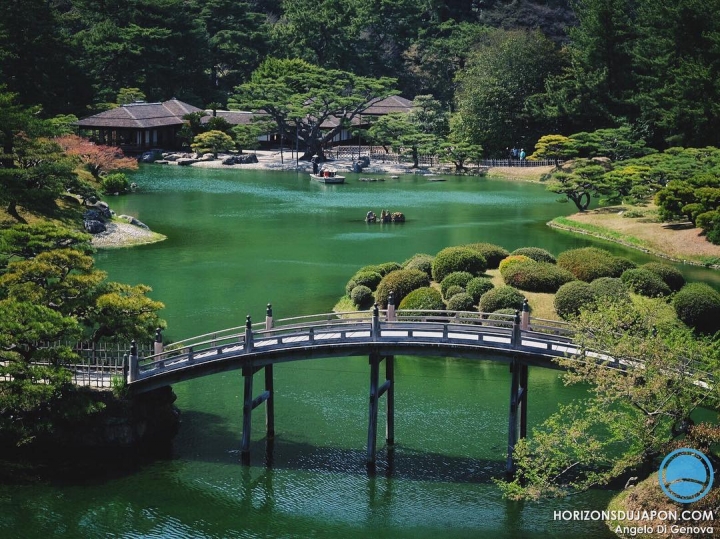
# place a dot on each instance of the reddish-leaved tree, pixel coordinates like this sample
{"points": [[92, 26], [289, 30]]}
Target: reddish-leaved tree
{"points": [[98, 158]]}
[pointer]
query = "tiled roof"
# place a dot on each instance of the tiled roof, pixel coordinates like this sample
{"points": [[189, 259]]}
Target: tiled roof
{"points": [[233, 117], [394, 103], [141, 115]]}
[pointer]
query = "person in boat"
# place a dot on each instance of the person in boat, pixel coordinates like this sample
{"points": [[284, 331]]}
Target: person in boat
{"points": [[315, 163], [370, 217]]}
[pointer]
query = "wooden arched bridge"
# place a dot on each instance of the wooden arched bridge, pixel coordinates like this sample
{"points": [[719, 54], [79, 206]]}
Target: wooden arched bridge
{"points": [[519, 339]]}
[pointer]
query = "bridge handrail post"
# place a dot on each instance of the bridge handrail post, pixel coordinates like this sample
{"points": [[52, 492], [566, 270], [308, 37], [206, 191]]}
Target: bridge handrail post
{"points": [[269, 322], [158, 347], [375, 328], [133, 362], [391, 317], [248, 334], [525, 318], [516, 338]]}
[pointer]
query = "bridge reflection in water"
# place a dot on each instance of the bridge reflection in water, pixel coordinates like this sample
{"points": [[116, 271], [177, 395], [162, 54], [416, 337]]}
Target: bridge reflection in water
{"points": [[519, 339]]}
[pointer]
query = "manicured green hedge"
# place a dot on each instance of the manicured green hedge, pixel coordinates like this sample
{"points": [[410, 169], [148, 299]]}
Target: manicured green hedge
{"points": [[670, 275], [492, 253], [477, 287], [610, 287], [645, 283], [401, 282], [508, 261], [536, 253], [421, 262], [497, 315], [424, 298], [386, 267], [452, 290], [361, 296], [456, 278], [590, 263], [453, 259], [502, 297], [363, 277], [460, 302], [698, 305], [571, 296], [536, 276]]}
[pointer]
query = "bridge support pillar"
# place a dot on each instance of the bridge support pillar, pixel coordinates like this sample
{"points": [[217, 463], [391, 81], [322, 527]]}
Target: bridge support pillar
{"points": [[518, 410], [377, 391], [250, 403]]}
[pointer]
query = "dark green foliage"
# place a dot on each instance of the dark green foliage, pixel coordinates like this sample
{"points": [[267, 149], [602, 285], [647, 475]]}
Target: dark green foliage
{"points": [[477, 286], [456, 278], [503, 297], [493, 254], [590, 263], [453, 259], [420, 261], [363, 277], [670, 275], [645, 283], [361, 296], [424, 298], [572, 296], [698, 305], [460, 302], [115, 183], [536, 253], [452, 290], [610, 287], [385, 268], [400, 282], [502, 315], [536, 276]]}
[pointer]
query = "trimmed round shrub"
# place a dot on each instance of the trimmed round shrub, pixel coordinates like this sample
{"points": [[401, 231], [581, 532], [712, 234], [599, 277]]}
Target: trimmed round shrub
{"points": [[421, 262], [400, 282], [571, 296], [670, 275], [498, 315], [115, 183], [461, 302], [477, 286], [536, 276], [502, 297], [536, 253], [610, 287], [456, 278], [363, 278], [506, 262], [452, 290], [361, 296], [698, 305], [492, 253], [453, 259], [590, 263], [645, 283], [424, 298], [384, 268]]}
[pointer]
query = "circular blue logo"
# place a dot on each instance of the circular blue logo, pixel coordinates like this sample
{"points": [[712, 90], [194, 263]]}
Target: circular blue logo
{"points": [[685, 475]]}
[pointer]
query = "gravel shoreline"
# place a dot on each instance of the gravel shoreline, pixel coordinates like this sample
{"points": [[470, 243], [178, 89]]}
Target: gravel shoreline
{"points": [[124, 235]]}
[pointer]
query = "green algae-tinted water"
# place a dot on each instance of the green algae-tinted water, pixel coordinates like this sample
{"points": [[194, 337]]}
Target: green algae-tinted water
{"points": [[238, 240]]}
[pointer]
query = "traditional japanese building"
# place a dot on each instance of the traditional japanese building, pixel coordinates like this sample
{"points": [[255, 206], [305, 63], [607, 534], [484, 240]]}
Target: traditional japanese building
{"points": [[137, 127]]}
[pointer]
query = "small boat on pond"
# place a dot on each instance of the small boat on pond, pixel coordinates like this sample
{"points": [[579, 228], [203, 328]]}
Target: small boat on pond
{"points": [[328, 176]]}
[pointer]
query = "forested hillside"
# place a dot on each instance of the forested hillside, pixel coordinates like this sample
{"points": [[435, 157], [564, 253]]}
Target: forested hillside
{"points": [[514, 70]]}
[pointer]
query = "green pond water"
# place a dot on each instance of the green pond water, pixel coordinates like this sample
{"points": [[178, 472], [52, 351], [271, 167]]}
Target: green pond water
{"points": [[240, 239]]}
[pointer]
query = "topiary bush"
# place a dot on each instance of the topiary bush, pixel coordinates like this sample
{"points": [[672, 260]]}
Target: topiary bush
{"points": [[590, 263], [611, 287], [452, 290], [477, 286], [645, 283], [698, 305], [492, 253], [536, 276], [363, 277], [361, 296], [424, 298], [115, 183], [421, 262], [453, 259], [571, 296], [670, 275], [461, 302], [498, 315], [401, 282], [502, 297], [384, 268], [506, 262], [536, 253], [456, 278]]}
